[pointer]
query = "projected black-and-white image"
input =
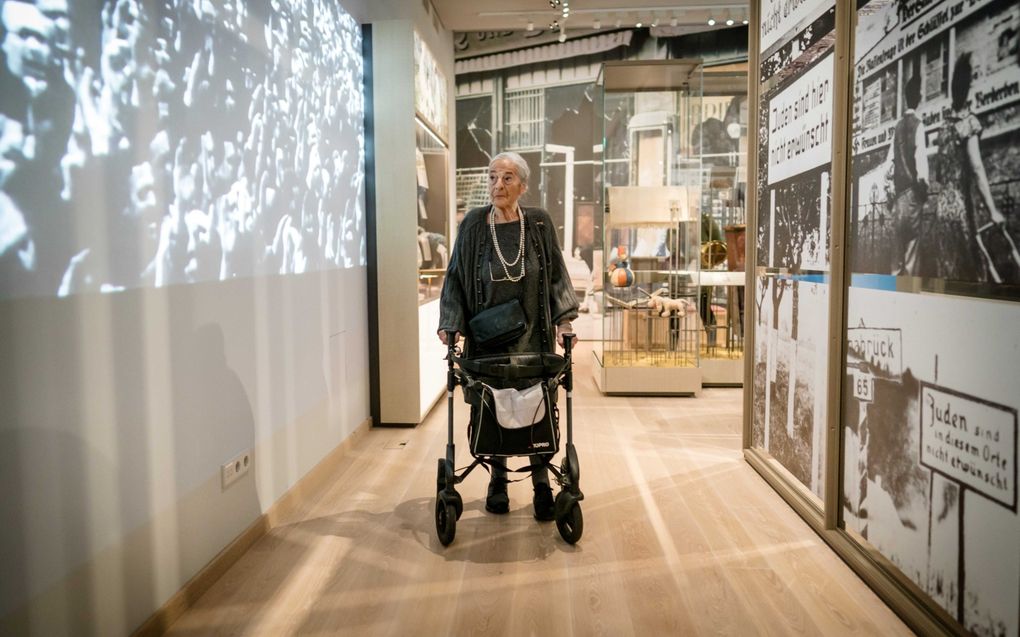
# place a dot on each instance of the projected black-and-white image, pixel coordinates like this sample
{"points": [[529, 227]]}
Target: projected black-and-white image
{"points": [[150, 143]]}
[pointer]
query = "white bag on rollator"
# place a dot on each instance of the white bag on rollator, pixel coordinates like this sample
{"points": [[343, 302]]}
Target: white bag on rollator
{"points": [[516, 409]]}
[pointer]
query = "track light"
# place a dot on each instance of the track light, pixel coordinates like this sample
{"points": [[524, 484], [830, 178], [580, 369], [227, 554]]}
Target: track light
{"points": [[638, 24], [673, 22], [531, 25], [711, 22], [596, 24], [563, 36], [729, 22], [745, 20]]}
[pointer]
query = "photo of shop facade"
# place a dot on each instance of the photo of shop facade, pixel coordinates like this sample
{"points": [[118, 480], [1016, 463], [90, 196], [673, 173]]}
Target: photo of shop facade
{"points": [[225, 395]]}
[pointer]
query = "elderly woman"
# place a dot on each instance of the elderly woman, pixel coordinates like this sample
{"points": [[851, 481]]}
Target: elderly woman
{"points": [[505, 252]]}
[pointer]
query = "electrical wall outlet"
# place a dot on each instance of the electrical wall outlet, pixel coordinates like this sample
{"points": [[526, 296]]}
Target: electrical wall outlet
{"points": [[231, 471]]}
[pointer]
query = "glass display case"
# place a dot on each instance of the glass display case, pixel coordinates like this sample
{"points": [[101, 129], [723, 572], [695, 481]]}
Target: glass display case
{"points": [[431, 163], [650, 182], [720, 141]]}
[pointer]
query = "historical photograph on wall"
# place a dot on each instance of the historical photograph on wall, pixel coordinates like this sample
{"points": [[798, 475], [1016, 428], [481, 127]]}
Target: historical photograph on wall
{"points": [[936, 169], [930, 443], [793, 187], [795, 111], [149, 144], [794, 165], [789, 375]]}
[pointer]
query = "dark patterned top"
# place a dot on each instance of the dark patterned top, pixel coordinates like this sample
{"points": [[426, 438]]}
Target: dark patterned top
{"points": [[475, 279]]}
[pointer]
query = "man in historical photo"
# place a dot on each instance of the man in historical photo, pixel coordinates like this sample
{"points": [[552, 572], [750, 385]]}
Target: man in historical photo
{"points": [[908, 177]]}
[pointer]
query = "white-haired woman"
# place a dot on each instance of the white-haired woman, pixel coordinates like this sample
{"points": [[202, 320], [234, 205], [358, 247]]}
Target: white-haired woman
{"points": [[505, 251]]}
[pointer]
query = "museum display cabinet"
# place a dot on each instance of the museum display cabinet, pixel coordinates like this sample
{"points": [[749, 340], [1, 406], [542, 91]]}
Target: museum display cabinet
{"points": [[651, 183], [413, 212], [431, 170], [720, 142]]}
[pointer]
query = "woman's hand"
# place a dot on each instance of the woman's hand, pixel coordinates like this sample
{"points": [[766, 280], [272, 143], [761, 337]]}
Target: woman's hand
{"points": [[442, 337], [565, 328]]}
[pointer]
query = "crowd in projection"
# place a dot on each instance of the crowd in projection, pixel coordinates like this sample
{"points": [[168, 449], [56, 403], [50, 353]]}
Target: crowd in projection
{"points": [[176, 141]]}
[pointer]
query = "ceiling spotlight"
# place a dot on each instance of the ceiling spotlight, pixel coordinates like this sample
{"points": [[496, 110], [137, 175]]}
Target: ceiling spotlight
{"points": [[638, 24], [596, 24], [563, 36], [531, 25], [673, 22], [729, 22], [711, 22], [745, 20], [618, 23], [655, 22]]}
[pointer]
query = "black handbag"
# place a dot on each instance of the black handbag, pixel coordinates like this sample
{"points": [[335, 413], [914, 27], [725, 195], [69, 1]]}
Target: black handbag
{"points": [[498, 325]]}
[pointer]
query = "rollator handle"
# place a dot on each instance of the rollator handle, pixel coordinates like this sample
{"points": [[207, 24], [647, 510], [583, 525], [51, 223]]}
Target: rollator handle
{"points": [[451, 351], [568, 342]]}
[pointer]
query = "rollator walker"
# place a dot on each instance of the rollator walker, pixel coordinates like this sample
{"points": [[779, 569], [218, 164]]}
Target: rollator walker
{"points": [[480, 377]]}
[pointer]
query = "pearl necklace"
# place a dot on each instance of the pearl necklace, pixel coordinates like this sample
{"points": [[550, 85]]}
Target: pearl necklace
{"points": [[499, 253]]}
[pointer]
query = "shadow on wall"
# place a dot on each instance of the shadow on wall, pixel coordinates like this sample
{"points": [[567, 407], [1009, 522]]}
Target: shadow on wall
{"points": [[115, 418]]}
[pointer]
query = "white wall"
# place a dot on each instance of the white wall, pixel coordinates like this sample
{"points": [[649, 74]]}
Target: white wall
{"points": [[118, 412], [410, 354]]}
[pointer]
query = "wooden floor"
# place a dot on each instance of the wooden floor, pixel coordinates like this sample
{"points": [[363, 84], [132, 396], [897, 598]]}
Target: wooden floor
{"points": [[681, 537]]}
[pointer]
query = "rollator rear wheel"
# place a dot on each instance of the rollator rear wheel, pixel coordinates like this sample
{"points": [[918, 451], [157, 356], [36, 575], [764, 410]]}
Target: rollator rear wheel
{"points": [[571, 524], [446, 521]]}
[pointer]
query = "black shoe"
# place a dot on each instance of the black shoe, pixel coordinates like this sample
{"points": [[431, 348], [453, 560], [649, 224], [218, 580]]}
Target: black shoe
{"points": [[497, 501], [545, 507]]}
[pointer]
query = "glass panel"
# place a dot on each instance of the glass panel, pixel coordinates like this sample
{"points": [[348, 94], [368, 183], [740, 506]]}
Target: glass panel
{"points": [[719, 136], [930, 397], [431, 161], [650, 185], [792, 295]]}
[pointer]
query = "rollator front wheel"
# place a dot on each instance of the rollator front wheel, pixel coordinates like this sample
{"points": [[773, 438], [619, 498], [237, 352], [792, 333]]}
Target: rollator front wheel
{"points": [[446, 521], [444, 476]]}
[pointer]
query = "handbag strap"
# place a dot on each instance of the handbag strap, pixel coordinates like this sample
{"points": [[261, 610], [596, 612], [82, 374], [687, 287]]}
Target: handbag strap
{"points": [[544, 269]]}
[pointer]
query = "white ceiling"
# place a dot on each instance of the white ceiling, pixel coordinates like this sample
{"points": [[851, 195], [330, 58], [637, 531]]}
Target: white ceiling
{"points": [[514, 15]]}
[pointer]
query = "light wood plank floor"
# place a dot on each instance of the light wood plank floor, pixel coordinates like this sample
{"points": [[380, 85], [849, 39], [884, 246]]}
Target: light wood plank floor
{"points": [[681, 537]]}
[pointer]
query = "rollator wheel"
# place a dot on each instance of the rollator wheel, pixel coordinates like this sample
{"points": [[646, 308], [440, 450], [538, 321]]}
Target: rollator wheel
{"points": [[446, 521], [571, 524], [441, 478]]}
